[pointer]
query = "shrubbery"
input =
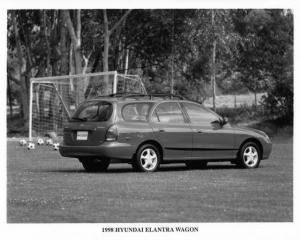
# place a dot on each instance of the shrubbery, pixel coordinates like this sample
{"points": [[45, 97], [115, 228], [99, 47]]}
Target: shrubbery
{"points": [[243, 113], [278, 104], [259, 117]]}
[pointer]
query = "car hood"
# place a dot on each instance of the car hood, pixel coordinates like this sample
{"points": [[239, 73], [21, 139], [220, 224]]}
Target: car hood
{"points": [[249, 130]]}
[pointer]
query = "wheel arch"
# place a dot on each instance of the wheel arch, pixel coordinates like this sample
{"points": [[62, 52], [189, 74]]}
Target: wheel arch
{"points": [[153, 142], [255, 140]]}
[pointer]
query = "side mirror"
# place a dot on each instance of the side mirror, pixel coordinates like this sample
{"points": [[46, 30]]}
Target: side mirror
{"points": [[224, 120], [221, 121], [216, 122]]}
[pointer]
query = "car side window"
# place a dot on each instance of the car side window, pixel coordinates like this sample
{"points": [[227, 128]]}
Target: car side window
{"points": [[136, 112], [168, 112], [199, 115]]}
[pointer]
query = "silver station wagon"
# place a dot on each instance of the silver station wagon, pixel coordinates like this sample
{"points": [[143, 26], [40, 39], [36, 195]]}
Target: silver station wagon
{"points": [[148, 130]]}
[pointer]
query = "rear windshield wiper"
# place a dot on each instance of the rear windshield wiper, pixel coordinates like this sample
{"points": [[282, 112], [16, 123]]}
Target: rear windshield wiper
{"points": [[80, 119]]}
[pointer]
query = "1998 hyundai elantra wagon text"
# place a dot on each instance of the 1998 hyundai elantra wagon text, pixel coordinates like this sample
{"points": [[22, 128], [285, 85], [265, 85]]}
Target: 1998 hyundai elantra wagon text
{"points": [[149, 130]]}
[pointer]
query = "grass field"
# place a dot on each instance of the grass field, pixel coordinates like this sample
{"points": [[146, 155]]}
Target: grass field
{"points": [[44, 187]]}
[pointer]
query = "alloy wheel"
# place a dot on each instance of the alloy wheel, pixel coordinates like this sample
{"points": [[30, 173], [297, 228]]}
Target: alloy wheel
{"points": [[149, 159], [250, 156]]}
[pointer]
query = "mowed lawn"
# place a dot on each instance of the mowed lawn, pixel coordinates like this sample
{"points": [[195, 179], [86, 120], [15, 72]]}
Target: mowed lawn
{"points": [[44, 187]]}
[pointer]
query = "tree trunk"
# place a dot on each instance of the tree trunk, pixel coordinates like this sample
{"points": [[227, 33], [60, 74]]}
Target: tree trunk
{"points": [[64, 57], [235, 101], [119, 56], [28, 54], [105, 54], [50, 118], [77, 46], [9, 98], [77, 58], [24, 95], [85, 67], [213, 75], [126, 61], [75, 51], [106, 42], [64, 67], [45, 33], [172, 56], [172, 75]]}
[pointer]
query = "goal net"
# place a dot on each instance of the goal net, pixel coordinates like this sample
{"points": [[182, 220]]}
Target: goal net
{"points": [[53, 100]]}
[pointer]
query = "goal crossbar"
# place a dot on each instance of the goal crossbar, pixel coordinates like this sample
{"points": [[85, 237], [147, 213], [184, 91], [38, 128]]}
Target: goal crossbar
{"points": [[38, 79]]}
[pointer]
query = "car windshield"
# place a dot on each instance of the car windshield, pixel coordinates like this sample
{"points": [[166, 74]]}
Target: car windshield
{"points": [[93, 111]]}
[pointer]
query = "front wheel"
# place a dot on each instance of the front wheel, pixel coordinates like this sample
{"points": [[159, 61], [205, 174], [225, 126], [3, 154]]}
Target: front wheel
{"points": [[249, 156], [95, 164], [147, 158]]}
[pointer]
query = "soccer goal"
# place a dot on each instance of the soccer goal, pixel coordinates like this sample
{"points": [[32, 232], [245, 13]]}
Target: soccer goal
{"points": [[54, 99]]}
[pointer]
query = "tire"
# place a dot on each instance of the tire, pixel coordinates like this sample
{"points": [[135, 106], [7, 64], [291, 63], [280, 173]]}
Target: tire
{"points": [[147, 158], [196, 164], [95, 164], [249, 156]]}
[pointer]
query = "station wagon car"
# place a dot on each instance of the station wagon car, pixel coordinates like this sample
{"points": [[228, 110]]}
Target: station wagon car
{"points": [[148, 130]]}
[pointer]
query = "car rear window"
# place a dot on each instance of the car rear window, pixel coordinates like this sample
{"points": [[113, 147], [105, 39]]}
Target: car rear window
{"points": [[94, 111], [136, 112]]}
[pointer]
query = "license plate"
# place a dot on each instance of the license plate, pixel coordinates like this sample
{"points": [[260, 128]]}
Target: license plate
{"points": [[82, 135]]}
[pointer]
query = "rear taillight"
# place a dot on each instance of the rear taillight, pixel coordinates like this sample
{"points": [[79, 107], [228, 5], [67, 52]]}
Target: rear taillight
{"points": [[112, 134]]}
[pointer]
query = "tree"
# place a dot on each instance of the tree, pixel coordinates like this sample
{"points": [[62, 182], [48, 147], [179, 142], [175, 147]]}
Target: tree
{"points": [[266, 58], [20, 67], [107, 34], [190, 47], [75, 56]]}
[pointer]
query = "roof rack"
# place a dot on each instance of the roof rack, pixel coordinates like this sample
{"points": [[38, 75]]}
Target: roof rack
{"points": [[134, 95], [117, 95], [123, 94], [151, 96], [142, 95], [171, 96]]}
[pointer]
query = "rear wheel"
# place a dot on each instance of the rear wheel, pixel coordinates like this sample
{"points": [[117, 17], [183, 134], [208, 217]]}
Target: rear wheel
{"points": [[196, 164], [147, 158], [249, 156], [95, 164]]}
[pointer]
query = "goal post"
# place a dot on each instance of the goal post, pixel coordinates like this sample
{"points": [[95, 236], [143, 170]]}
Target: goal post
{"points": [[53, 100]]}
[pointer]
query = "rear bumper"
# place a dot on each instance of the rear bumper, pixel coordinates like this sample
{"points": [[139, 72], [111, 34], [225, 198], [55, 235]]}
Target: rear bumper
{"points": [[114, 150]]}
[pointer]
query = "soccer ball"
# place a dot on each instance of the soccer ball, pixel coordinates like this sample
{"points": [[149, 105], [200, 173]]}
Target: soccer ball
{"points": [[22, 142], [30, 146], [49, 141], [55, 146], [40, 141]]}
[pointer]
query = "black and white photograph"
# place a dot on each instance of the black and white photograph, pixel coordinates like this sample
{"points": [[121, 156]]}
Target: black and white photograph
{"points": [[149, 115]]}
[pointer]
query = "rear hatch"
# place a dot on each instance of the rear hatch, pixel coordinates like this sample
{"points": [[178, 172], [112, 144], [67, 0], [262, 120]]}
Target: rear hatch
{"points": [[89, 124]]}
